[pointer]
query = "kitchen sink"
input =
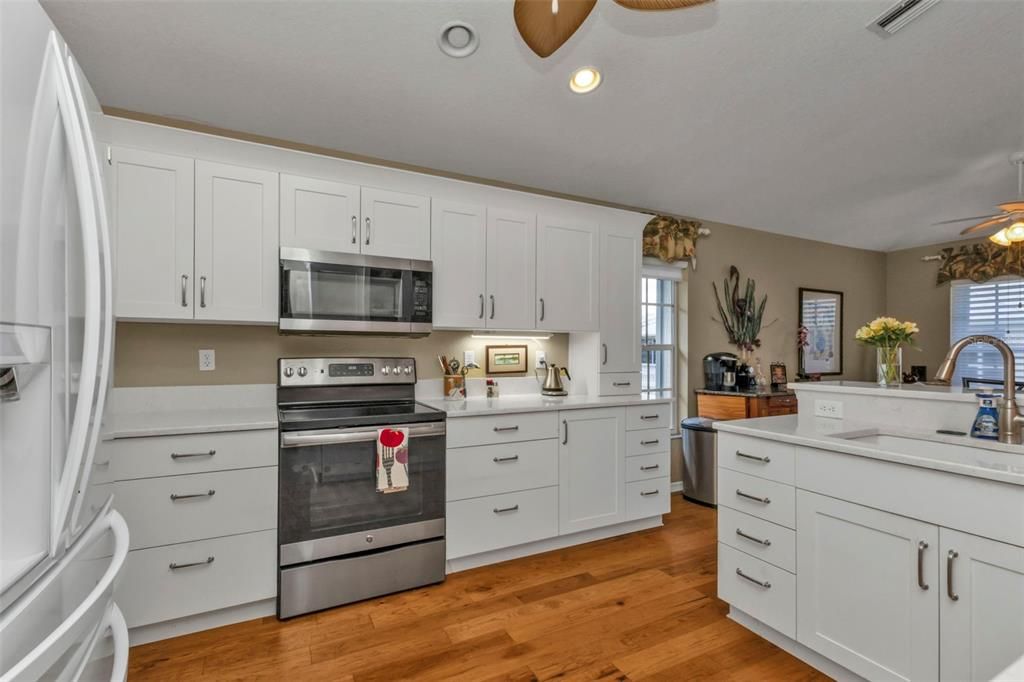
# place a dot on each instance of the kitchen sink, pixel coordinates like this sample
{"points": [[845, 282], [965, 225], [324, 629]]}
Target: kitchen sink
{"points": [[940, 447]]}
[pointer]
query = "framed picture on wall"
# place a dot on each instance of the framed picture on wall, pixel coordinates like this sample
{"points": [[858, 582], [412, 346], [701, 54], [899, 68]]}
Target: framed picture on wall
{"points": [[506, 359], [821, 313]]}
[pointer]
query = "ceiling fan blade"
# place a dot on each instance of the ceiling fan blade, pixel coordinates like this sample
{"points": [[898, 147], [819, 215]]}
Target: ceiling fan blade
{"points": [[995, 226], [1012, 206], [964, 220], [655, 5], [543, 30]]}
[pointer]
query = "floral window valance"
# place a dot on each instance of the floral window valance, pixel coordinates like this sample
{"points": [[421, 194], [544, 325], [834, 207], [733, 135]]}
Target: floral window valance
{"points": [[980, 262], [672, 239]]}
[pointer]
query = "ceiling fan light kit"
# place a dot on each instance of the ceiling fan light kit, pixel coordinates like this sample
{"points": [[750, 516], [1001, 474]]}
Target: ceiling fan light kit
{"points": [[1007, 226]]}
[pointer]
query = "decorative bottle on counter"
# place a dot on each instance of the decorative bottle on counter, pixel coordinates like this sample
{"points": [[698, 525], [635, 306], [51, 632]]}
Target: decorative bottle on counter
{"points": [[986, 423]]}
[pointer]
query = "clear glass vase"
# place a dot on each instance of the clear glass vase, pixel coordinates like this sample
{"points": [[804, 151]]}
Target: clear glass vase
{"points": [[889, 360]]}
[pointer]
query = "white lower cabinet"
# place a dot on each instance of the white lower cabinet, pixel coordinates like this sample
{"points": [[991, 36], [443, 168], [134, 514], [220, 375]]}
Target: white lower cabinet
{"points": [[591, 469], [483, 524], [981, 592], [758, 588], [649, 497]]}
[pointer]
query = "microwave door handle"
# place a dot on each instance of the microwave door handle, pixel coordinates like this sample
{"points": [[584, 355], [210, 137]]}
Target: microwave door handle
{"points": [[296, 439]]}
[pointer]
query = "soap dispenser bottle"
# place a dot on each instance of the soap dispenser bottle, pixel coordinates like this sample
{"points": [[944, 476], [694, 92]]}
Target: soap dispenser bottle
{"points": [[986, 422]]}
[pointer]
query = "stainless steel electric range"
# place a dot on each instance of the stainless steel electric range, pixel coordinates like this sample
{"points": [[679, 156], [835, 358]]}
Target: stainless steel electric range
{"points": [[340, 539]]}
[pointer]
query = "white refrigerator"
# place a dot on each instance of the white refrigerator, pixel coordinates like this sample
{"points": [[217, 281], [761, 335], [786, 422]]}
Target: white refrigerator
{"points": [[62, 546]]}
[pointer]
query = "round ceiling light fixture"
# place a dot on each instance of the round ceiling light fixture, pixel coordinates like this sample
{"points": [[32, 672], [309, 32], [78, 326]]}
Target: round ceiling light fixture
{"points": [[458, 39], [585, 80]]}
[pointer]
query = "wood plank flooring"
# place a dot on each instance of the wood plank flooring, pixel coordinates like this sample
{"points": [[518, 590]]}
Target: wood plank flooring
{"points": [[641, 606]]}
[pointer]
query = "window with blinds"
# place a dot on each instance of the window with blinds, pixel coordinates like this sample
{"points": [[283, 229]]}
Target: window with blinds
{"points": [[657, 337], [996, 308]]}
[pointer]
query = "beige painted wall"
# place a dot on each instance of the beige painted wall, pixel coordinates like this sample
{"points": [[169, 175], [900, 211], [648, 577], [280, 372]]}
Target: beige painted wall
{"points": [[780, 265], [168, 354]]}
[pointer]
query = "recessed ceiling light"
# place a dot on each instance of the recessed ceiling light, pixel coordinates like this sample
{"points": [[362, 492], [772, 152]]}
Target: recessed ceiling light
{"points": [[458, 39], [585, 80]]}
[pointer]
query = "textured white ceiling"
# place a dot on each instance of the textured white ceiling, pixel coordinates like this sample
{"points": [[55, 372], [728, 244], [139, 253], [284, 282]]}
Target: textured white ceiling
{"points": [[783, 115]]}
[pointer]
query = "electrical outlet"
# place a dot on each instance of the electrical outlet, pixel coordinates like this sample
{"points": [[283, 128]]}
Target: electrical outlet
{"points": [[207, 361], [833, 409], [468, 358], [542, 360]]}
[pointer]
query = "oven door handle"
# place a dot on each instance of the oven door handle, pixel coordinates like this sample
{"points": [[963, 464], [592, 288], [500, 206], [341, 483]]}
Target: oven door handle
{"points": [[298, 439]]}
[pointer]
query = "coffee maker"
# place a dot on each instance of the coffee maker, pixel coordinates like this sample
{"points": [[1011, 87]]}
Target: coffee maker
{"points": [[720, 371]]}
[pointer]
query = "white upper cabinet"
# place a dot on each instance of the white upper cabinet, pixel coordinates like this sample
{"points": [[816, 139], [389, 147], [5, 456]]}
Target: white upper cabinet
{"points": [[620, 301], [591, 469], [152, 211], [395, 224], [567, 275], [319, 214], [511, 269], [458, 244], [982, 614], [236, 259]]}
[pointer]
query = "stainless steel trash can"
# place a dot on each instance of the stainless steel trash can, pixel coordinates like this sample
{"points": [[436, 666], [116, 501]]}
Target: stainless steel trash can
{"points": [[700, 460]]}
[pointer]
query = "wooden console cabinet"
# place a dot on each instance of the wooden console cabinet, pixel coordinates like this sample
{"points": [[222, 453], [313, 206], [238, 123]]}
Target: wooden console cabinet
{"points": [[721, 405]]}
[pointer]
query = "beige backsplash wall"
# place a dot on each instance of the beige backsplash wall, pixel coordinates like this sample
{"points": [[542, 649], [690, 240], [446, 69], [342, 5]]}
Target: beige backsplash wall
{"points": [[168, 354], [780, 265]]}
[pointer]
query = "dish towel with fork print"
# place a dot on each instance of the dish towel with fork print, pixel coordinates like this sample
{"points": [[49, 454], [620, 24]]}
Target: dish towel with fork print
{"points": [[392, 460]]}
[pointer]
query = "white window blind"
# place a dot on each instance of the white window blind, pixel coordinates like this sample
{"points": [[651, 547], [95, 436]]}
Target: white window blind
{"points": [[657, 337], [996, 308]]}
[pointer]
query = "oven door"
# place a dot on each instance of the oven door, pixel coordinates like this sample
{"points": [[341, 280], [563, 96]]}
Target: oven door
{"points": [[328, 504], [324, 292]]}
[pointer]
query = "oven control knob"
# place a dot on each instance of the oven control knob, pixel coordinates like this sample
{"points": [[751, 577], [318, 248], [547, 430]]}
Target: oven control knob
{"points": [[302, 371], [369, 539], [408, 370], [288, 371], [385, 369]]}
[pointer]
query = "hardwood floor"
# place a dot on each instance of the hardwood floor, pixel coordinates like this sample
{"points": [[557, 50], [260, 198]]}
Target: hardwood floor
{"points": [[642, 606]]}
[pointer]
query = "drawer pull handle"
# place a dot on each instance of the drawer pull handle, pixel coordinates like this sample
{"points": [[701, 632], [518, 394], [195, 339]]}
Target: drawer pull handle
{"points": [[650, 467], [174, 567], [744, 455], [209, 493], [755, 498], [921, 547], [622, 383], [953, 554], [501, 429], [766, 542], [766, 585], [648, 417], [648, 493], [502, 510], [183, 455], [511, 458], [650, 442]]}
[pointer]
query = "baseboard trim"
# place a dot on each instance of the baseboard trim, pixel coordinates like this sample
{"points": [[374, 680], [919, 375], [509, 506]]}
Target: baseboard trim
{"points": [[560, 542], [793, 647], [676, 486], [201, 621]]}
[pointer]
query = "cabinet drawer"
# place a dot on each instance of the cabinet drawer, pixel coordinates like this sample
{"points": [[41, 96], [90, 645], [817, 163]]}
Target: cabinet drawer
{"points": [[646, 441], [648, 416], [648, 498], [764, 458], [773, 603], [619, 383], [502, 428], [485, 523], [775, 502], [643, 467], [493, 469], [225, 503], [722, 406], [191, 454], [243, 569], [787, 402], [757, 537]]}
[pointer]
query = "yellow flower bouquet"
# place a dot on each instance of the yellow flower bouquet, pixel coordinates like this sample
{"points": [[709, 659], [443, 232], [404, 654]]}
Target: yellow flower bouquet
{"points": [[888, 335]]}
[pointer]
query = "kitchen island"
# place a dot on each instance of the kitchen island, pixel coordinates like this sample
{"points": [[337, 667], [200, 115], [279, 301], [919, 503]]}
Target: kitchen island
{"points": [[867, 543]]}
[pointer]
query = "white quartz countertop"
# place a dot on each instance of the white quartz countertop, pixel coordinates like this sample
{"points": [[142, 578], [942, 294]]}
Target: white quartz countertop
{"points": [[917, 391], [971, 457], [472, 407], [167, 411]]}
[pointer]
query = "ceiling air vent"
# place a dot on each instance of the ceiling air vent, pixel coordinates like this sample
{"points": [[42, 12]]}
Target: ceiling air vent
{"points": [[899, 15]]}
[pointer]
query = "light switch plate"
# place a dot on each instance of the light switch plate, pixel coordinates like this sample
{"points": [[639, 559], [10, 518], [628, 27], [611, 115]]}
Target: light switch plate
{"points": [[207, 360], [542, 360], [468, 358]]}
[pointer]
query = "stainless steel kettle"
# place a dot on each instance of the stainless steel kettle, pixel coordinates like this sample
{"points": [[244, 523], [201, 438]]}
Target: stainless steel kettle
{"points": [[553, 381]]}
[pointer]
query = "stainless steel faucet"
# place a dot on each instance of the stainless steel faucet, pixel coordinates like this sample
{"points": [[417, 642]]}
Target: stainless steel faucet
{"points": [[1011, 423]]}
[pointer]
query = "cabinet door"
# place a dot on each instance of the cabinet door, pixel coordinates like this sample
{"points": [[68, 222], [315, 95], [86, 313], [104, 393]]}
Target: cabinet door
{"points": [[458, 239], [620, 302], [567, 275], [395, 224], [319, 214], [511, 269], [236, 243], [983, 626], [859, 598], [154, 224], [591, 469]]}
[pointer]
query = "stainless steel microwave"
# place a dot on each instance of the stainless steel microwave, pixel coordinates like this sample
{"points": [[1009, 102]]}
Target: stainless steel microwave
{"points": [[324, 292]]}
